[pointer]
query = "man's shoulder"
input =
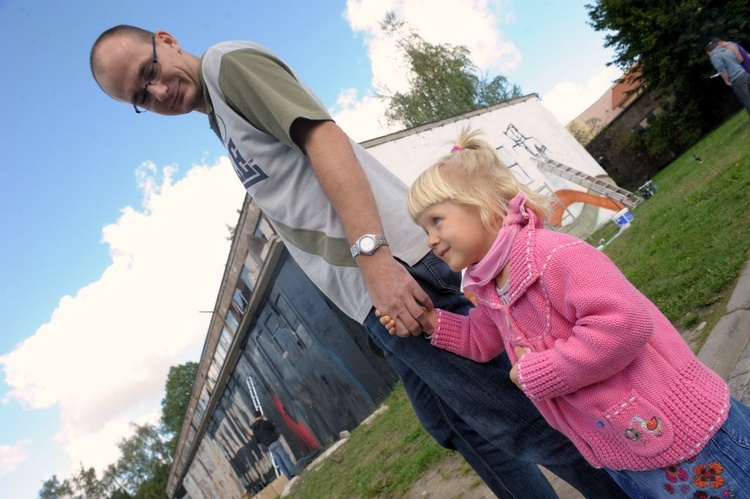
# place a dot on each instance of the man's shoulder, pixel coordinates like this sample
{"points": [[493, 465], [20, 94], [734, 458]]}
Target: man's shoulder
{"points": [[223, 48]]}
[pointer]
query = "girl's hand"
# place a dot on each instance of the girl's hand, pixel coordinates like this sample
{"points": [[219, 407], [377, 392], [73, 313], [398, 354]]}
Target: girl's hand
{"points": [[386, 321], [520, 352]]}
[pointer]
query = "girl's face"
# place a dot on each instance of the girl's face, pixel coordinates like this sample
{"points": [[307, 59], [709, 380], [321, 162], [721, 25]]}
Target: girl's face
{"points": [[456, 234]]}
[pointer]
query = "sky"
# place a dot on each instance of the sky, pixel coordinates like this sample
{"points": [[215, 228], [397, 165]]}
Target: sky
{"points": [[114, 225]]}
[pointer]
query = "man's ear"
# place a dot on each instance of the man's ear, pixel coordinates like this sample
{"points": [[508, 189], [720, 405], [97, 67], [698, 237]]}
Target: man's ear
{"points": [[167, 39]]}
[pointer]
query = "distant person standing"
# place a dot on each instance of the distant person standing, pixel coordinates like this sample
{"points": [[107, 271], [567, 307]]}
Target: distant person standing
{"points": [[738, 50], [731, 71], [266, 435]]}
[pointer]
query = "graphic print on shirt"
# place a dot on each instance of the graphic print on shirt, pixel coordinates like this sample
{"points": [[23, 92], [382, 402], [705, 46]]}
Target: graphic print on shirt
{"points": [[248, 171]]}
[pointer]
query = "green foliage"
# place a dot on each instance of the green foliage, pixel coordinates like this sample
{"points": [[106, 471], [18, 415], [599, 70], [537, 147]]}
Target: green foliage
{"points": [[689, 243], [82, 484], [443, 81], [55, 489], [666, 42], [142, 457], [174, 405]]}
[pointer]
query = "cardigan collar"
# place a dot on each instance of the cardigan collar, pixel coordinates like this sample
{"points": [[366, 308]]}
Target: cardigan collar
{"points": [[524, 270]]}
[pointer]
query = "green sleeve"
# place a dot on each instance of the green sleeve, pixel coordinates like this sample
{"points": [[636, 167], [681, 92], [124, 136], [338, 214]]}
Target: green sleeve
{"points": [[265, 91]]}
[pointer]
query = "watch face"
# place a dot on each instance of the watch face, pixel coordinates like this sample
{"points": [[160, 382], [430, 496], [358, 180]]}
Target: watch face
{"points": [[367, 244]]}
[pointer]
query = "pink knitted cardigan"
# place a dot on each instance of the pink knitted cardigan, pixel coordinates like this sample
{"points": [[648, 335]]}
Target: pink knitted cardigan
{"points": [[606, 367]]}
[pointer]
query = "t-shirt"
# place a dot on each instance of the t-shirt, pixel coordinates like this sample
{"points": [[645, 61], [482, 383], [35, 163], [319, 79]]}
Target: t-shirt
{"points": [[253, 98]]}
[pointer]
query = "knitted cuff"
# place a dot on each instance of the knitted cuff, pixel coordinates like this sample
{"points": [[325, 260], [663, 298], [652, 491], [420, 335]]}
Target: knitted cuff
{"points": [[446, 332], [537, 378]]}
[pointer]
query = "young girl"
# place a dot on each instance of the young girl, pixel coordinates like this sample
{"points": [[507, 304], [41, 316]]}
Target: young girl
{"points": [[598, 359]]}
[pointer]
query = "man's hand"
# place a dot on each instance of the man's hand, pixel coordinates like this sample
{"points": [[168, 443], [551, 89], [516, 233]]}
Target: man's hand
{"points": [[389, 323], [520, 352], [396, 294]]}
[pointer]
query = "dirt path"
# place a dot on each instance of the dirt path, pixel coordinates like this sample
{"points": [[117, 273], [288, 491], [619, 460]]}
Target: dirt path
{"points": [[453, 479]]}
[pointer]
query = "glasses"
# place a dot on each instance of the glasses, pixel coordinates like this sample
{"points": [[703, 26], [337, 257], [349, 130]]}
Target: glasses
{"points": [[150, 75]]}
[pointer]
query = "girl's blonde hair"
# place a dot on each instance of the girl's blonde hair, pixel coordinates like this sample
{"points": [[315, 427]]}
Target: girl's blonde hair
{"points": [[473, 174]]}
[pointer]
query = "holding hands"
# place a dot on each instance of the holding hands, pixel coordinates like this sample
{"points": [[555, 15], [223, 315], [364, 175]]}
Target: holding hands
{"points": [[390, 323]]}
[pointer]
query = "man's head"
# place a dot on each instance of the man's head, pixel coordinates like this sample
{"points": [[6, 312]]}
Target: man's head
{"points": [[710, 46], [148, 70], [258, 414]]}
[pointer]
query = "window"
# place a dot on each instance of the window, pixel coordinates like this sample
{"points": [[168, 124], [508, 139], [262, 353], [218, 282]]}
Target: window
{"points": [[263, 228], [231, 319]]}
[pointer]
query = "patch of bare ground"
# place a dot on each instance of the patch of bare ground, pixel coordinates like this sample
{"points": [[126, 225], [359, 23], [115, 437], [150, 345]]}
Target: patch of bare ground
{"points": [[452, 478]]}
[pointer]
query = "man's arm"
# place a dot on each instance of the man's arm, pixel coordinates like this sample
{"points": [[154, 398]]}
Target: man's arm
{"points": [[391, 288]]}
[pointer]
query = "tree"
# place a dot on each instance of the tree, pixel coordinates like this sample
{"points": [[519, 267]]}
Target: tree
{"points": [[145, 457], [174, 405], [142, 470], [84, 484], [665, 43], [55, 489], [443, 81]]}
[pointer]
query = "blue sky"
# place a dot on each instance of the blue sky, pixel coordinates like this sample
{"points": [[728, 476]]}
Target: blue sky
{"points": [[114, 224]]}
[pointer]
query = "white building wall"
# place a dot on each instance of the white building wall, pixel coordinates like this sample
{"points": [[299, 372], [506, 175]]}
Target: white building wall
{"points": [[408, 153]]}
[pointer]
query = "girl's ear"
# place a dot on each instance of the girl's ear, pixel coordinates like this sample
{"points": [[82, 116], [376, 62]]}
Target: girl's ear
{"points": [[496, 219]]}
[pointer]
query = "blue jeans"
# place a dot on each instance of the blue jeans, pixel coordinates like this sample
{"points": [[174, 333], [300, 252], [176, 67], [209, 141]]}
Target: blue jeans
{"points": [[475, 409], [281, 458], [741, 88], [721, 469]]}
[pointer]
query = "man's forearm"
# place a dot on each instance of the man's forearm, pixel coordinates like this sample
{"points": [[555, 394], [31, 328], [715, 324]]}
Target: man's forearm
{"points": [[342, 178]]}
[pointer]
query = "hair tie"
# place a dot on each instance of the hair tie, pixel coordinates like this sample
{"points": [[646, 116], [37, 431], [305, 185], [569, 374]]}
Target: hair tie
{"points": [[456, 149]]}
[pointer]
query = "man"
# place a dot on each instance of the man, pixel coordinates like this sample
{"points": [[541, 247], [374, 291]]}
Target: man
{"points": [[343, 218], [264, 432], [728, 66]]}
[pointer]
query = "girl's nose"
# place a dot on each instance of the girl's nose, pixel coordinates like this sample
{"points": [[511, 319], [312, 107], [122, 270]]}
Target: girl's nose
{"points": [[432, 240]]}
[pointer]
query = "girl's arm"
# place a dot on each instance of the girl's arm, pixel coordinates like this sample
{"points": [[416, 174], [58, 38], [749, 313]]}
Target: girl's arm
{"points": [[475, 336], [611, 323]]}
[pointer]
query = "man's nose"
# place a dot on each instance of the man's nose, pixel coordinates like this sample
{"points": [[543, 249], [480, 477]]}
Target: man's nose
{"points": [[158, 91]]}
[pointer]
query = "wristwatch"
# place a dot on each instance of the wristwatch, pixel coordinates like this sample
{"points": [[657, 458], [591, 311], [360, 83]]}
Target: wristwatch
{"points": [[367, 244]]}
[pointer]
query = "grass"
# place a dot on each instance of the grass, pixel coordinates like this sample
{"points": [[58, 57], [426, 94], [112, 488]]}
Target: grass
{"points": [[381, 459], [688, 244], [685, 249]]}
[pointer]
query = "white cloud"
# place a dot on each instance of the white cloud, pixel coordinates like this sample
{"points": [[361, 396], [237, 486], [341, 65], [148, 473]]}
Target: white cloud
{"points": [[361, 119], [567, 100], [445, 22], [104, 355], [476, 24], [11, 456]]}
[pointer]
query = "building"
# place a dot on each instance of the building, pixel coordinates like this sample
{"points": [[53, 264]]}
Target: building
{"points": [[277, 343], [609, 106]]}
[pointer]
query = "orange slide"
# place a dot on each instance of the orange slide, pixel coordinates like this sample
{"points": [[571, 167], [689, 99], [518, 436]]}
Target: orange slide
{"points": [[570, 196]]}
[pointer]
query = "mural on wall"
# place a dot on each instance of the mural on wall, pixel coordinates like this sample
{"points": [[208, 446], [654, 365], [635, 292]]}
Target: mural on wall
{"points": [[533, 144], [306, 368], [601, 193]]}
